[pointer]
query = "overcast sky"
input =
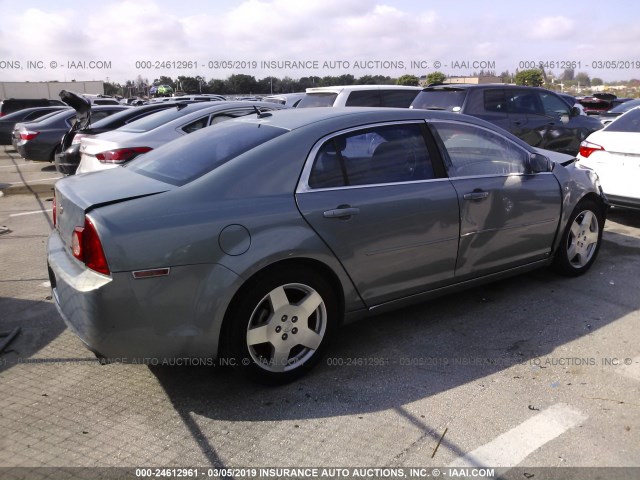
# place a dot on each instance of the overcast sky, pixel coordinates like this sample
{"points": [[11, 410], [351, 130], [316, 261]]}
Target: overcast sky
{"points": [[382, 36]]}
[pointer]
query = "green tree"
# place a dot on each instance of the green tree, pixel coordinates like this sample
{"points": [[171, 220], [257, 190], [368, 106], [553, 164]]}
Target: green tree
{"points": [[218, 86], [112, 88], [596, 82], [532, 78], [583, 79], [409, 80], [189, 84], [164, 80], [436, 77], [242, 84]]}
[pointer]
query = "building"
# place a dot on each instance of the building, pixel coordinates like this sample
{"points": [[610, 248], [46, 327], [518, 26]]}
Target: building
{"points": [[48, 90]]}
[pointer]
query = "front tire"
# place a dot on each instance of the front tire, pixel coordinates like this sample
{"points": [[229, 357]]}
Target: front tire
{"points": [[281, 324], [581, 240]]}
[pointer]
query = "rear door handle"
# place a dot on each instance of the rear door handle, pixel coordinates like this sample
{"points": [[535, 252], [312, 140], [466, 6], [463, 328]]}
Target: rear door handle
{"points": [[475, 195], [341, 212]]}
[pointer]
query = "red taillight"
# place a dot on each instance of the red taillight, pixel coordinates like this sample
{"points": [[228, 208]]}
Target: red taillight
{"points": [[121, 155], [54, 211], [587, 148], [86, 247], [28, 135]]}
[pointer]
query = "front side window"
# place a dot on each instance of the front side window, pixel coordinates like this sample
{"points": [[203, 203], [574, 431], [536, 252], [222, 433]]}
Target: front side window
{"points": [[554, 106], [525, 102], [384, 154], [474, 151]]}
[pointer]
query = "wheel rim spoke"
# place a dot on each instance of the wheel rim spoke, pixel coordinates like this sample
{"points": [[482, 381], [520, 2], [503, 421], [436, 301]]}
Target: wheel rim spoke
{"points": [[591, 238], [587, 219], [278, 298], [280, 358], [572, 251], [575, 229], [256, 336], [310, 304], [309, 338]]}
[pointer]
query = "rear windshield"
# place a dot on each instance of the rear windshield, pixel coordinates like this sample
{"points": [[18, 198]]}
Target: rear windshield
{"points": [[188, 158], [157, 119], [629, 122], [440, 99], [626, 106], [324, 99]]}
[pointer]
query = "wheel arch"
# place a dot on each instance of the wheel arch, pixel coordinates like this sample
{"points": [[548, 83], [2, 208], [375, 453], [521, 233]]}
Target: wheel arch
{"points": [[301, 262]]}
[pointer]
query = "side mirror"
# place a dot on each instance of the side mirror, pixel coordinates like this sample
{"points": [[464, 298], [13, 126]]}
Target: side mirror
{"points": [[539, 163], [575, 111]]}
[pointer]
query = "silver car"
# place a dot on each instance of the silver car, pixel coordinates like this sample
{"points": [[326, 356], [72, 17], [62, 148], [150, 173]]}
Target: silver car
{"points": [[253, 240], [115, 148]]}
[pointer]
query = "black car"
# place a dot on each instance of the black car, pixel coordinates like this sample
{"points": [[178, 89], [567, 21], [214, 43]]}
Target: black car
{"points": [[40, 140], [538, 116], [68, 159], [26, 115], [11, 105]]}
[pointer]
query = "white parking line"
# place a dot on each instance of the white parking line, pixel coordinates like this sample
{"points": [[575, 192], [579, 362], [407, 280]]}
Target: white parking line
{"points": [[30, 213], [511, 448]]}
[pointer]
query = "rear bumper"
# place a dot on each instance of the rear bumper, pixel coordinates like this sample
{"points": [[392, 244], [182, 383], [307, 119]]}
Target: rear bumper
{"points": [[150, 321], [67, 162]]}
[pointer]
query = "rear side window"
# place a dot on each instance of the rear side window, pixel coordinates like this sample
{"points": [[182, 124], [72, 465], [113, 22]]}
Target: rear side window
{"points": [[188, 158], [385, 154], [318, 100], [440, 99], [363, 98], [629, 122], [495, 101], [155, 120], [397, 98]]}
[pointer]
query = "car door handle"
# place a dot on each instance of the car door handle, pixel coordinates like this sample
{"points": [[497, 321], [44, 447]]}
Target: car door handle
{"points": [[341, 212], [475, 195]]}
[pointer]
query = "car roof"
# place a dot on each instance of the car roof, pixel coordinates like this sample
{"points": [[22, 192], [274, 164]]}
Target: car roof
{"points": [[349, 88], [291, 119]]}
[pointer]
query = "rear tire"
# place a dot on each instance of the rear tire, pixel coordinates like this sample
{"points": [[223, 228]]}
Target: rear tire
{"points": [[581, 240], [281, 324]]}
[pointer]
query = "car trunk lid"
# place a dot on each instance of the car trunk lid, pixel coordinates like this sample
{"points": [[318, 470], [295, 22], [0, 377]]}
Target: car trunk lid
{"points": [[78, 195]]}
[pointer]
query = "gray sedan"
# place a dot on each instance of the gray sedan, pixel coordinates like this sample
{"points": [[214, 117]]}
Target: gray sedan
{"points": [[252, 240]]}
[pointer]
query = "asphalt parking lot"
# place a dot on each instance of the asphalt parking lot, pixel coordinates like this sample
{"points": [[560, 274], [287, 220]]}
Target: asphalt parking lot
{"points": [[536, 372]]}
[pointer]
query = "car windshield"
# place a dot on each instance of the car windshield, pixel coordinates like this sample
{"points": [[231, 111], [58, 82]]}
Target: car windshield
{"points": [[188, 158], [626, 106], [156, 119], [440, 99], [629, 122], [323, 99]]}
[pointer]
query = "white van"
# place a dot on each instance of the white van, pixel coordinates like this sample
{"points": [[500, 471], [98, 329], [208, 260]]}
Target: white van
{"points": [[399, 96]]}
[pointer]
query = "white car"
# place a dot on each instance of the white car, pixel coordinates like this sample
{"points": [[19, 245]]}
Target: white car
{"points": [[614, 153], [398, 96], [115, 148]]}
